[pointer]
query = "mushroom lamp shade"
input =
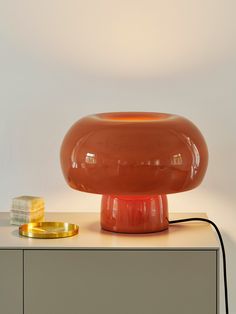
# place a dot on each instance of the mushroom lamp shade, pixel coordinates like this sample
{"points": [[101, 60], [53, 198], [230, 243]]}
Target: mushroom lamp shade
{"points": [[134, 159]]}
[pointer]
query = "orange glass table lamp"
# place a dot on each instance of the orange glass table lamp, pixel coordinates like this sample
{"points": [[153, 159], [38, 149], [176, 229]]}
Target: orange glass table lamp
{"points": [[134, 159]]}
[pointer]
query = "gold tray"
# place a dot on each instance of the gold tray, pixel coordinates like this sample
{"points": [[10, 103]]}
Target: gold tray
{"points": [[48, 230]]}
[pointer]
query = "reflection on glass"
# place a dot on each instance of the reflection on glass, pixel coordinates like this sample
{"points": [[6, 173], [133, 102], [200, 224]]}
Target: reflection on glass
{"points": [[177, 160], [90, 158], [74, 165]]}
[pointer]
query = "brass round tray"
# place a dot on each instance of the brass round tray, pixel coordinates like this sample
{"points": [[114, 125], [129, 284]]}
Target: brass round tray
{"points": [[48, 230]]}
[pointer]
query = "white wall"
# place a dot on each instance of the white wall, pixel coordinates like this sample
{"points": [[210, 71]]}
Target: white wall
{"points": [[60, 60]]}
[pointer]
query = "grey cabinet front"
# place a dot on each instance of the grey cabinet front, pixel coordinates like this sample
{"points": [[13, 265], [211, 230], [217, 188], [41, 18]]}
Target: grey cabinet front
{"points": [[120, 282], [11, 282]]}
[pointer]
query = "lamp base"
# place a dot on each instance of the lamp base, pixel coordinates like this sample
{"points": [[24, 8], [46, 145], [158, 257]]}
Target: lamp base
{"points": [[134, 214]]}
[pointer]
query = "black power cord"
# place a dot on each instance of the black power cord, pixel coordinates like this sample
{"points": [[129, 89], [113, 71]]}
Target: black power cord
{"points": [[222, 248]]}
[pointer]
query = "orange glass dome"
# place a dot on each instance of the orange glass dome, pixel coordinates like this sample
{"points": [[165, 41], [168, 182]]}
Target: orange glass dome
{"points": [[135, 156]]}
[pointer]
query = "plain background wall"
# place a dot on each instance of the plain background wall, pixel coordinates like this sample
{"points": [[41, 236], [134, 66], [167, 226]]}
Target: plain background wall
{"points": [[61, 60]]}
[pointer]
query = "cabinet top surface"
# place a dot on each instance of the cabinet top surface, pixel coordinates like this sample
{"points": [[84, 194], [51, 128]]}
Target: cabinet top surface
{"points": [[190, 235]]}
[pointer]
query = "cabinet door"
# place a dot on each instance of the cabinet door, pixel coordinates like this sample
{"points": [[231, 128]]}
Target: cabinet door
{"points": [[11, 282], [120, 282]]}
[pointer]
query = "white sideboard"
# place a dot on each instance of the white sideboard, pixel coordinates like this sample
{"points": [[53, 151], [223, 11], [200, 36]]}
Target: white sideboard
{"points": [[172, 272]]}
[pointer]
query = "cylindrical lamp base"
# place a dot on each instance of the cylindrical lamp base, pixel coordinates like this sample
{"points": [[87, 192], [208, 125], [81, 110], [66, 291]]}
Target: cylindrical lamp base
{"points": [[134, 214]]}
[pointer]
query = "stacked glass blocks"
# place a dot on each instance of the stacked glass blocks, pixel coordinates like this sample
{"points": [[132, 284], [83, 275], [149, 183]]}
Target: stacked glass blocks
{"points": [[26, 209]]}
